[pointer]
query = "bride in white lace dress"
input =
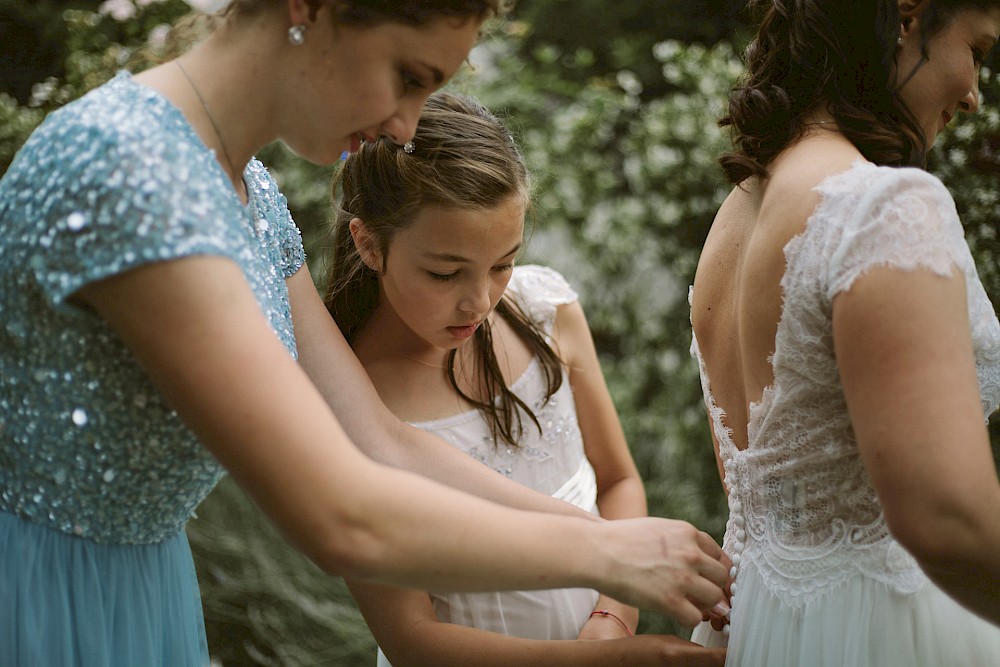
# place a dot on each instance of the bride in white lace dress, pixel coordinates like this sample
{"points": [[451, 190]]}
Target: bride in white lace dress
{"points": [[848, 351]]}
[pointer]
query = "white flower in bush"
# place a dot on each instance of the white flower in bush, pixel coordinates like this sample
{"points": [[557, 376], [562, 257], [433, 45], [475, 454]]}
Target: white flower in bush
{"points": [[119, 10]]}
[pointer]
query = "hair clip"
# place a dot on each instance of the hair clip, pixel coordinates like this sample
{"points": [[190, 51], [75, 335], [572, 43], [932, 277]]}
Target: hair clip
{"points": [[408, 147]]}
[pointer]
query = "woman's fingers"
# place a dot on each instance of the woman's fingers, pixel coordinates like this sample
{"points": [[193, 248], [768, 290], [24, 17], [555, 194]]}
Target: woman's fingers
{"points": [[669, 566]]}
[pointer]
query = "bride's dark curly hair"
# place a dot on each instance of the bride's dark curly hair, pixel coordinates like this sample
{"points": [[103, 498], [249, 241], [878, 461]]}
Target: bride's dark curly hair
{"points": [[834, 53]]}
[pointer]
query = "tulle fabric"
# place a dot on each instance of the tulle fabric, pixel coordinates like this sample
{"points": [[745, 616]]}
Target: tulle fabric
{"points": [[70, 601], [861, 623]]}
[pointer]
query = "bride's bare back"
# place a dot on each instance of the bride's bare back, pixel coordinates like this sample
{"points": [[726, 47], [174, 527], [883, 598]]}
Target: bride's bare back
{"points": [[736, 303]]}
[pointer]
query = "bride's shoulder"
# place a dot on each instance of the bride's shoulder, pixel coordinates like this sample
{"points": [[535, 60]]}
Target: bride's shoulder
{"points": [[802, 167]]}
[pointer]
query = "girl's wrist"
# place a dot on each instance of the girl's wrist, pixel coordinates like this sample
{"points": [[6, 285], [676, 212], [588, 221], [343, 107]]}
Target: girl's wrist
{"points": [[611, 616]]}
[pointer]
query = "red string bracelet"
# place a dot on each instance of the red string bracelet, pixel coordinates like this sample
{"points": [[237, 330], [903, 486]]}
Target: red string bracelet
{"points": [[605, 612]]}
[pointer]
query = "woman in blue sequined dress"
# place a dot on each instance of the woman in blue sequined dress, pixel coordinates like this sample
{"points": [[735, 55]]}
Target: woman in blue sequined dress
{"points": [[158, 327]]}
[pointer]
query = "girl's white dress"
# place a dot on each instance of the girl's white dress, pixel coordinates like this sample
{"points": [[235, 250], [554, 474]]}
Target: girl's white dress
{"points": [[820, 581], [552, 462]]}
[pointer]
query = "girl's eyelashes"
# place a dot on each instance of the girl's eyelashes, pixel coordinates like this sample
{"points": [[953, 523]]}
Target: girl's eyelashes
{"points": [[982, 51], [502, 268], [411, 81]]}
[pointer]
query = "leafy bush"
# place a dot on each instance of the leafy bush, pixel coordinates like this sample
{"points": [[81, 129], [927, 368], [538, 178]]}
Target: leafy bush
{"points": [[264, 602]]}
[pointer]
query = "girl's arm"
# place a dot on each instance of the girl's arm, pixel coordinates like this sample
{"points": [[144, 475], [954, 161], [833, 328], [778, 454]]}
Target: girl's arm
{"points": [[335, 370], [620, 491], [903, 346], [405, 626], [197, 329]]}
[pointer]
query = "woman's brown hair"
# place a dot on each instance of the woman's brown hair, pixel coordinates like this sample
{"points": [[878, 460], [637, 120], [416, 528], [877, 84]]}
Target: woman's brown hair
{"points": [[363, 13], [834, 54], [354, 13]]}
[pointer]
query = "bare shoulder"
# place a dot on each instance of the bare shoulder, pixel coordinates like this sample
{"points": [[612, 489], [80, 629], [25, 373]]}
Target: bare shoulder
{"points": [[780, 204], [571, 333], [744, 251], [789, 195]]}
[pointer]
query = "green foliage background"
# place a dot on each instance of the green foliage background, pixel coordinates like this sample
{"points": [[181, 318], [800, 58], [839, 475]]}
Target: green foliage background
{"points": [[621, 139]]}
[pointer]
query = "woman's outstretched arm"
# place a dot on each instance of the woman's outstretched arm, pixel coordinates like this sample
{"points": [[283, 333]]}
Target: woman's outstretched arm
{"points": [[197, 329], [340, 378]]}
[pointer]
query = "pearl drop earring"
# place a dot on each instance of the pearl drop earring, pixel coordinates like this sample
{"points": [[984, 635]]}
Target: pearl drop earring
{"points": [[297, 35]]}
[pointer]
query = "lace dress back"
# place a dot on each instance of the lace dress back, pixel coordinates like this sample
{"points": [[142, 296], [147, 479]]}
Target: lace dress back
{"points": [[806, 529]]}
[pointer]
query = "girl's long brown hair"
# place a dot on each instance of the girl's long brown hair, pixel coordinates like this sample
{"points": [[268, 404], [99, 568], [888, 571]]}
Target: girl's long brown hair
{"points": [[463, 158]]}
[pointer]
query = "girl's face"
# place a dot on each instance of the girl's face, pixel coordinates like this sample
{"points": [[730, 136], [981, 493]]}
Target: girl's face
{"points": [[348, 84], [949, 81], [444, 274]]}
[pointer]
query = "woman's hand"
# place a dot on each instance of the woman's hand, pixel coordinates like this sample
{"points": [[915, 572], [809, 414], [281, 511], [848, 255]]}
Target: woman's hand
{"points": [[664, 565]]}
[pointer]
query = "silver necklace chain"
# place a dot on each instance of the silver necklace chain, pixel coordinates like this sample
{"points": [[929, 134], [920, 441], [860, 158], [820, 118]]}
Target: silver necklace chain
{"points": [[211, 120]]}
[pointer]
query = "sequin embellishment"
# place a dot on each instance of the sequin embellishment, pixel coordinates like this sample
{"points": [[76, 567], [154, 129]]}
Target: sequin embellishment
{"points": [[109, 182]]}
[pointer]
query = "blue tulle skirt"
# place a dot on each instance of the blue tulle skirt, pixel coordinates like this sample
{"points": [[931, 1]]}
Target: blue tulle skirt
{"points": [[66, 600]]}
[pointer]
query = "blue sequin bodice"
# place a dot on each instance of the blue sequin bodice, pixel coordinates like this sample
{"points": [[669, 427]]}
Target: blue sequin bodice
{"points": [[112, 181]]}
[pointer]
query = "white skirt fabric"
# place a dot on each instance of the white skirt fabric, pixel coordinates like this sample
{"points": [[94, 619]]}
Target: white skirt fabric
{"points": [[558, 613], [861, 623]]}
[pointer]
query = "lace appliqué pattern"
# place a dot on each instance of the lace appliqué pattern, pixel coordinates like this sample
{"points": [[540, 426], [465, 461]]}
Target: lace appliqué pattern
{"points": [[808, 516], [539, 291]]}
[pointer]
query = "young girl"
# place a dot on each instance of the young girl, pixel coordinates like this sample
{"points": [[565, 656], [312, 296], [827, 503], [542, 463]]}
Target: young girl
{"points": [[159, 328], [495, 359]]}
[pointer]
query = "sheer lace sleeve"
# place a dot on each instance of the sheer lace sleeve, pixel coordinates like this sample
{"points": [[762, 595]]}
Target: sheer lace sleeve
{"points": [[903, 218], [539, 291]]}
